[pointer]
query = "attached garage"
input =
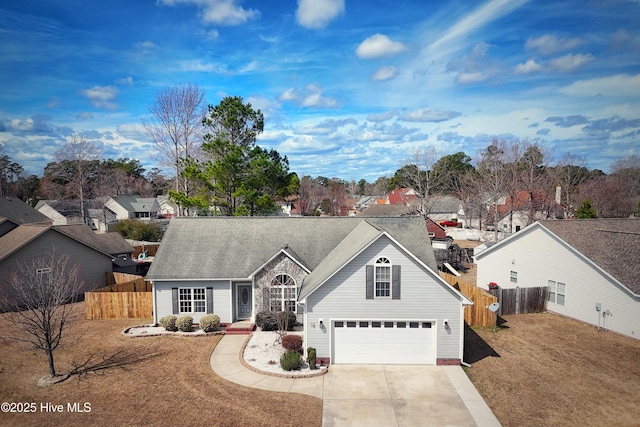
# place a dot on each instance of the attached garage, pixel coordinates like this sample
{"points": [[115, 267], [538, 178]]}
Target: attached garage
{"points": [[384, 341]]}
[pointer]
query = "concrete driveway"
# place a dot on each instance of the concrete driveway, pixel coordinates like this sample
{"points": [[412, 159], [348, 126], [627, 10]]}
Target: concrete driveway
{"points": [[371, 395], [401, 395]]}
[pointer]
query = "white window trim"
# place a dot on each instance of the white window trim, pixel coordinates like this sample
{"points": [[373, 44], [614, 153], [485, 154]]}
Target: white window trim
{"points": [[44, 270], [192, 301], [513, 276], [282, 288], [386, 263]]}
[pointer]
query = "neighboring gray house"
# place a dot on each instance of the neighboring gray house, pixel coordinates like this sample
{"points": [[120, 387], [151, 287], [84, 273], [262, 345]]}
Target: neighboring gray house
{"points": [[366, 289], [590, 266], [110, 243], [27, 242], [445, 208], [14, 212], [133, 207]]}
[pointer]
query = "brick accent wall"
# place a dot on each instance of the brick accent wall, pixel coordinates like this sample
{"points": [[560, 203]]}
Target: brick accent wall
{"points": [[448, 362]]}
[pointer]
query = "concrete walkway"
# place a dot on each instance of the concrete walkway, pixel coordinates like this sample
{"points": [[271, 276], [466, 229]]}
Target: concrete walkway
{"points": [[353, 395]]}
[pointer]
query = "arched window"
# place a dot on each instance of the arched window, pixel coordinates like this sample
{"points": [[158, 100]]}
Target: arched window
{"points": [[383, 277], [282, 293]]}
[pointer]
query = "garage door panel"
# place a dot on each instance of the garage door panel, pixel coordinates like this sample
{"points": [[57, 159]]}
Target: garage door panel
{"points": [[383, 342]]}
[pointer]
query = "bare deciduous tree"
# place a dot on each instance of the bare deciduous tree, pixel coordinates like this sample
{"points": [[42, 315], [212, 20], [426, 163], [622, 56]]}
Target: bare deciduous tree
{"points": [[41, 295], [176, 127], [418, 174], [78, 160]]}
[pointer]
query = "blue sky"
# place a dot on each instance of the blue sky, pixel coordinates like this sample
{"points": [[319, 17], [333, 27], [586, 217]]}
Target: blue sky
{"points": [[348, 87]]}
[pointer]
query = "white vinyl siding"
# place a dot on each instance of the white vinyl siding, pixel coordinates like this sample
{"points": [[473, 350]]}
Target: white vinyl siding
{"points": [[221, 292], [540, 256], [423, 297]]}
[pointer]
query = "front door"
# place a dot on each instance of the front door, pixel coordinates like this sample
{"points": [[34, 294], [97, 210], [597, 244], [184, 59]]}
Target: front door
{"points": [[244, 301]]}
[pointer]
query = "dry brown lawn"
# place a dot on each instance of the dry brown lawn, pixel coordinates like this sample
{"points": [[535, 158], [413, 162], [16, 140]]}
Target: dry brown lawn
{"points": [[546, 370], [160, 381]]}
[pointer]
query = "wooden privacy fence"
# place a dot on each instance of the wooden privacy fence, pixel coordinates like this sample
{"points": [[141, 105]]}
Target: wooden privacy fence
{"points": [[127, 296], [118, 305], [123, 282], [521, 300], [477, 314]]}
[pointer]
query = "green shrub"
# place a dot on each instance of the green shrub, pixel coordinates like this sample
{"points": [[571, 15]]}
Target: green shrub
{"points": [[209, 323], [266, 320], [185, 323], [311, 357], [169, 323], [139, 230], [290, 360], [288, 318], [292, 342]]}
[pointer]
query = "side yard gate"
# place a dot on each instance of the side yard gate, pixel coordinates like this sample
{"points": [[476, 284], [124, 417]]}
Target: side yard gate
{"points": [[477, 314]]}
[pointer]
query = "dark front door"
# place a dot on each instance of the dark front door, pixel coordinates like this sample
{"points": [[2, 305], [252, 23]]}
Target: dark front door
{"points": [[244, 301]]}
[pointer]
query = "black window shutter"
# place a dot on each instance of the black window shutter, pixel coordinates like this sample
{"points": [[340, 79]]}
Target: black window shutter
{"points": [[209, 300], [395, 282], [369, 282], [174, 297]]}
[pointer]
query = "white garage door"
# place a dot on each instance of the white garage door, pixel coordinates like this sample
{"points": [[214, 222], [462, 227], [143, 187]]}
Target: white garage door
{"points": [[384, 342]]}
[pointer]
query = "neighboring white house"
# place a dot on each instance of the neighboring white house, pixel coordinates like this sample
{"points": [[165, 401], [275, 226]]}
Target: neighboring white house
{"points": [[591, 267], [366, 289], [133, 207]]}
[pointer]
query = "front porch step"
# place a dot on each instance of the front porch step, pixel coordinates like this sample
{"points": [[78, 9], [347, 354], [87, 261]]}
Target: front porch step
{"points": [[240, 328]]}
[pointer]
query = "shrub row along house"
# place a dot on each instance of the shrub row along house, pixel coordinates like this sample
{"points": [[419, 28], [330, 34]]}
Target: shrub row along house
{"points": [[591, 267], [366, 289]]}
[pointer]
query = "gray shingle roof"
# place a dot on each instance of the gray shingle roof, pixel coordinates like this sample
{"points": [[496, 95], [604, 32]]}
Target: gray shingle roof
{"points": [[234, 247], [109, 243], [20, 212], [134, 203], [612, 244], [388, 210]]}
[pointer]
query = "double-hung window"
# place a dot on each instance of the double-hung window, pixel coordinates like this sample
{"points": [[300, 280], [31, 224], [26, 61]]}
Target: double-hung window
{"points": [[513, 277], [383, 277], [192, 300], [557, 292]]}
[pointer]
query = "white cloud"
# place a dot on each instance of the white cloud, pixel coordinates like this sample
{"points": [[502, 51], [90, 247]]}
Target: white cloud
{"points": [[531, 66], [219, 12], [318, 13], [85, 115], [382, 117], [428, 115], [131, 130], [486, 13], [102, 96], [199, 66], [385, 73], [127, 81], [378, 46], [618, 85], [549, 44], [571, 62], [311, 97], [146, 47]]}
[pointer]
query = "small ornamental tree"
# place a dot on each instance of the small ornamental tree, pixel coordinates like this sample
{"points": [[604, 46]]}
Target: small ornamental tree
{"points": [[586, 210], [41, 295]]}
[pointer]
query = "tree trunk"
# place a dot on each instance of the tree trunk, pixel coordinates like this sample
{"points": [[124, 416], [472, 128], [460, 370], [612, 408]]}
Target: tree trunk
{"points": [[52, 368]]}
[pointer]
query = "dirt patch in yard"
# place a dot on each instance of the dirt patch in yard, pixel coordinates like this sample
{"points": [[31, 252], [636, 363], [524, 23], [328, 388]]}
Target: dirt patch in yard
{"points": [[148, 381], [545, 369]]}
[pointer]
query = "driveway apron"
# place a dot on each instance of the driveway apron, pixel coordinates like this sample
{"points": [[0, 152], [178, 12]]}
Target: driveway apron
{"points": [[392, 395], [372, 395]]}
